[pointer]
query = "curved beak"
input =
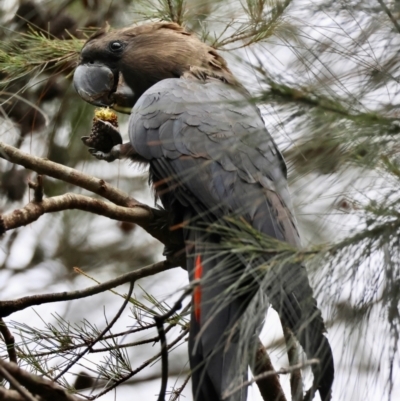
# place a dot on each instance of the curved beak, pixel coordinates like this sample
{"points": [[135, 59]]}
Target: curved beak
{"points": [[99, 85], [95, 83]]}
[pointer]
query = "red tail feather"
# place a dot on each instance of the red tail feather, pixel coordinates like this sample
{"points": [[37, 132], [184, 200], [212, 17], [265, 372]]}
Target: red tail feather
{"points": [[198, 272]]}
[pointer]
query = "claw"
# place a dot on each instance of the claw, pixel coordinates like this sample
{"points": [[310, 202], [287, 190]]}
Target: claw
{"points": [[85, 140], [100, 155], [114, 154]]}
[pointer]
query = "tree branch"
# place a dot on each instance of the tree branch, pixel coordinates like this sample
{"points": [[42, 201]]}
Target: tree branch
{"points": [[100, 336], [160, 319], [67, 174], [271, 373], [37, 187], [177, 393], [33, 210], [149, 216], [10, 395], [25, 394], [296, 381], [270, 385], [8, 340], [46, 389], [117, 382], [390, 15], [9, 307]]}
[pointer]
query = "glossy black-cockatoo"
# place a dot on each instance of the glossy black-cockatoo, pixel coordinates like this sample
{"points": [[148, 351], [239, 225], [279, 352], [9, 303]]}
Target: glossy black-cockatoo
{"points": [[213, 164]]}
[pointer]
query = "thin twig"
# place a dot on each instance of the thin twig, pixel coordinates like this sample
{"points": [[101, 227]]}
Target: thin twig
{"points": [[155, 376], [178, 392], [283, 371], [9, 307], [100, 336], [132, 344], [390, 15], [37, 188], [141, 367], [160, 319], [64, 349], [9, 341], [292, 350]]}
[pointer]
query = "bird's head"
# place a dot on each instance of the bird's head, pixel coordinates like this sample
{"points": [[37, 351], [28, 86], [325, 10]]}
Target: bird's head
{"points": [[117, 66]]}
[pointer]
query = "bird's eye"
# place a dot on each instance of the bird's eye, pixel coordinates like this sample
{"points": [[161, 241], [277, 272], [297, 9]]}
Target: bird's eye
{"points": [[115, 46]]}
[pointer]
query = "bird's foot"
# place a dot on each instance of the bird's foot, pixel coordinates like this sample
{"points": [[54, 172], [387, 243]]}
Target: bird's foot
{"points": [[102, 140], [113, 154]]}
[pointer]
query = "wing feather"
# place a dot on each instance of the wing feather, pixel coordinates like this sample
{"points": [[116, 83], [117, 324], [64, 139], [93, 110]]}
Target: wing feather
{"points": [[210, 152], [218, 151]]}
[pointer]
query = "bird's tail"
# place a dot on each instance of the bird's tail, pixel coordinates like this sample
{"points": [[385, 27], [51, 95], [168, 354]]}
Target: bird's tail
{"points": [[214, 336], [290, 294], [227, 318]]}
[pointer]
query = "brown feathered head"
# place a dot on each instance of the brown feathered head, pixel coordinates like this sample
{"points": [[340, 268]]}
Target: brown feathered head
{"points": [[118, 66]]}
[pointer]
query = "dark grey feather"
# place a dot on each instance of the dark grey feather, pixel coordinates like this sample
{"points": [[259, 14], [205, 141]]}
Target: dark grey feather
{"points": [[211, 155]]}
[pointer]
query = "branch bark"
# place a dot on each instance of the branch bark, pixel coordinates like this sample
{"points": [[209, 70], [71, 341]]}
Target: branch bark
{"points": [[292, 349], [9, 307], [270, 385], [9, 341], [23, 392], [67, 174], [33, 210], [10, 395], [147, 217], [264, 375], [46, 389]]}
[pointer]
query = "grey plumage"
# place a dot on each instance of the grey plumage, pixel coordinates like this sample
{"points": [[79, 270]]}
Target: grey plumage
{"points": [[209, 147], [211, 159]]}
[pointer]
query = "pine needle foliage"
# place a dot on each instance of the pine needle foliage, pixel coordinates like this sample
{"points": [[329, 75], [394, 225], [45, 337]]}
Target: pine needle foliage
{"points": [[33, 53], [325, 75]]}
